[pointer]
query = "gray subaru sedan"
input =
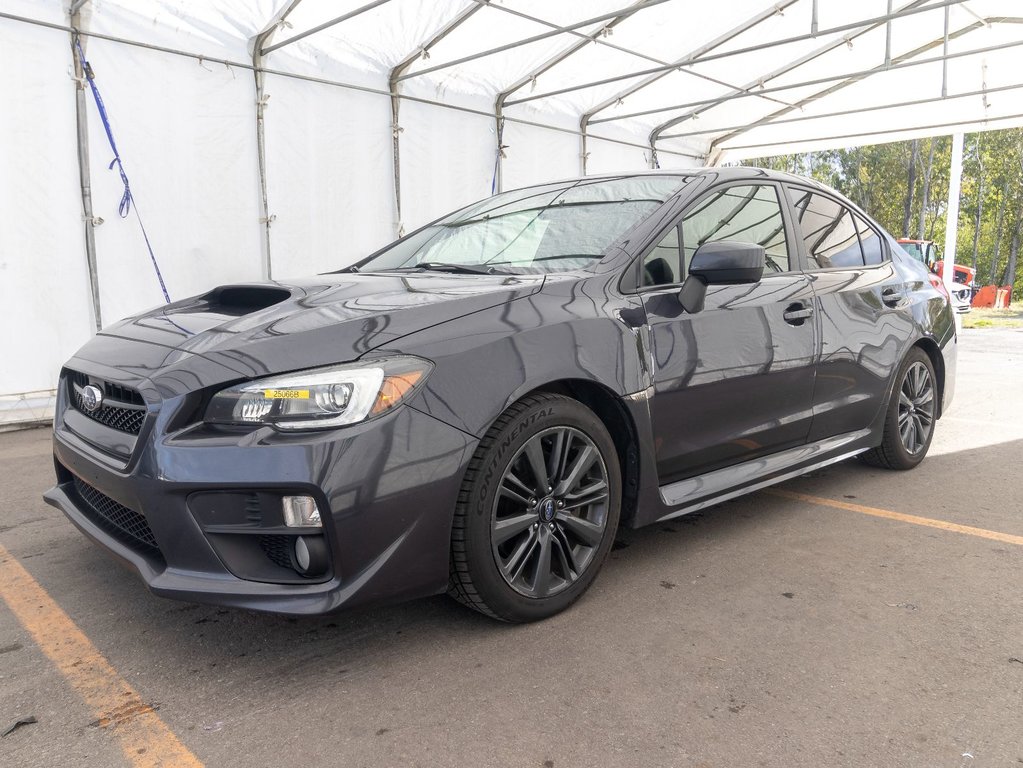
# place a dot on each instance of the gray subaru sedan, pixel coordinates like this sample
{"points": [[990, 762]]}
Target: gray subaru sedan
{"points": [[479, 406]]}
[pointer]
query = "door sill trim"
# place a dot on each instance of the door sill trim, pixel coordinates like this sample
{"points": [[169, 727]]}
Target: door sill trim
{"points": [[721, 485]]}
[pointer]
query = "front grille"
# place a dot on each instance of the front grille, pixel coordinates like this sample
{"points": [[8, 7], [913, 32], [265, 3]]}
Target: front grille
{"points": [[116, 519], [123, 409], [278, 549]]}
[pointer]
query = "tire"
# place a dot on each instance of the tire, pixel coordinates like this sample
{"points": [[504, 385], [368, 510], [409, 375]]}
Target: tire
{"points": [[912, 409], [504, 531]]}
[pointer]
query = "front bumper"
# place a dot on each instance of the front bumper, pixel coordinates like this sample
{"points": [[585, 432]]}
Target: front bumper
{"points": [[386, 489]]}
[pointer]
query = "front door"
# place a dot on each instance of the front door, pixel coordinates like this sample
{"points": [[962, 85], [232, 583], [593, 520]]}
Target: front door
{"points": [[735, 381]]}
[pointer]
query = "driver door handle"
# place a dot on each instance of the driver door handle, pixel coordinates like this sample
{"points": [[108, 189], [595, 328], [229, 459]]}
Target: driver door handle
{"points": [[797, 313]]}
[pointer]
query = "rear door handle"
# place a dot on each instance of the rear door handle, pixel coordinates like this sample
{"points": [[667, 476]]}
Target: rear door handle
{"points": [[892, 297], [796, 314]]}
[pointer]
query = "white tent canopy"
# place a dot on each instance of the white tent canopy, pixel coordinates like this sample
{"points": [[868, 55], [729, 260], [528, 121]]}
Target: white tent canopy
{"points": [[376, 116]]}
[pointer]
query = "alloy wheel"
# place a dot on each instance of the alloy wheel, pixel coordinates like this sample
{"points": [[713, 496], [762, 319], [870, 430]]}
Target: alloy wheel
{"points": [[916, 408], [550, 514]]}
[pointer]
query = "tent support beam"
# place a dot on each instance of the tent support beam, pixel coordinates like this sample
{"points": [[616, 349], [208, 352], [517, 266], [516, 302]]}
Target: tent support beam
{"points": [[530, 77], [857, 111], [536, 38], [910, 11], [921, 131], [816, 53], [323, 26], [258, 73], [898, 62], [84, 167], [392, 82], [806, 83], [731, 34]]}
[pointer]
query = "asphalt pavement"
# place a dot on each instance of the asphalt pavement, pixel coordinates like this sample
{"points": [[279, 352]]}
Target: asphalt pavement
{"points": [[860, 618]]}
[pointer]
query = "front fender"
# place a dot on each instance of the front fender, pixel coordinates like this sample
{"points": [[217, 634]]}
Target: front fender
{"points": [[573, 329]]}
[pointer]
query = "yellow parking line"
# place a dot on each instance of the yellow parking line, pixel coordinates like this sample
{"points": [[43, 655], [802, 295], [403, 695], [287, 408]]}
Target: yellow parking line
{"points": [[146, 740], [1005, 538]]}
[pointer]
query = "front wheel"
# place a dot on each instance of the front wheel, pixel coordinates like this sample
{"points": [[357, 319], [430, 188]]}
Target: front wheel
{"points": [[912, 411], [538, 510]]}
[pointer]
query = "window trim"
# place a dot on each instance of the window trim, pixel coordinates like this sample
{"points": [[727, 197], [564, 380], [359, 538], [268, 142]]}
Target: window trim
{"points": [[856, 213], [633, 271]]}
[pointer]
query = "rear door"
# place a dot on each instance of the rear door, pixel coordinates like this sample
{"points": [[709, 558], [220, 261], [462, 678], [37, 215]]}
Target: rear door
{"points": [[861, 310], [734, 381]]}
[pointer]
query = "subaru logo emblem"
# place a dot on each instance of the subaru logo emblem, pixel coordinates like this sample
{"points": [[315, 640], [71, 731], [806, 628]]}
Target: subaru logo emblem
{"points": [[547, 510], [92, 398]]}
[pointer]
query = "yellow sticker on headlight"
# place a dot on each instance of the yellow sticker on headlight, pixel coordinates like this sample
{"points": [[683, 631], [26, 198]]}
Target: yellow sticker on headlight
{"points": [[286, 394]]}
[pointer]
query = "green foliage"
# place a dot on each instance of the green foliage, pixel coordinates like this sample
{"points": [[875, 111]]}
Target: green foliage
{"points": [[877, 177]]}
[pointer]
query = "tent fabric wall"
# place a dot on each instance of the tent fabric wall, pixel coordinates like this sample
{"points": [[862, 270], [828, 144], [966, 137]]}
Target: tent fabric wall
{"points": [[746, 78], [44, 282]]}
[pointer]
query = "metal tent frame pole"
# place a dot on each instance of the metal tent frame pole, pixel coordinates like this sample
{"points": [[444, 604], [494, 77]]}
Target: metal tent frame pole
{"points": [[708, 104], [855, 111], [743, 93], [319, 27], [84, 167], [909, 11], [536, 38], [266, 219], [392, 85], [920, 131], [546, 66], [896, 63], [731, 34]]}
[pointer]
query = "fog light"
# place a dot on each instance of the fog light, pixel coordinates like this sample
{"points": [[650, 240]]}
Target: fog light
{"points": [[310, 556], [301, 512]]}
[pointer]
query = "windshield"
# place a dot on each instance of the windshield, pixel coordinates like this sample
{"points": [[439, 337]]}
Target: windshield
{"points": [[550, 228], [914, 250]]}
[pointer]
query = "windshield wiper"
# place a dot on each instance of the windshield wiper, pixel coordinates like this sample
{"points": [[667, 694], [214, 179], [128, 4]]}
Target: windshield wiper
{"points": [[464, 269]]}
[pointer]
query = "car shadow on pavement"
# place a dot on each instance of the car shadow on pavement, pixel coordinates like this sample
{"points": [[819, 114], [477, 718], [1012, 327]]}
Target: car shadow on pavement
{"points": [[129, 625]]}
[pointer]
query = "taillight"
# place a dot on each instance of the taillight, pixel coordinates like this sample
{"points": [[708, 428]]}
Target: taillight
{"points": [[938, 283]]}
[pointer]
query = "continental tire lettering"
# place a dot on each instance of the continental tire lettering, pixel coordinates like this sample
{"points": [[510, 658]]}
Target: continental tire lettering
{"points": [[502, 449]]}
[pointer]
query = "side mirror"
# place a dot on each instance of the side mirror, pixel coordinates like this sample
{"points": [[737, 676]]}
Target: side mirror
{"points": [[720, 263]]}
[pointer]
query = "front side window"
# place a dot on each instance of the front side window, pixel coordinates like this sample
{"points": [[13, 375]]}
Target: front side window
{"points": [[744, 214], [828, 230], [550, 228]]}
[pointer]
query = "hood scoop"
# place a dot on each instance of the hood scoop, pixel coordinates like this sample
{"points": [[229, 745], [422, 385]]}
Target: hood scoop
{"points": [[239, 300]]}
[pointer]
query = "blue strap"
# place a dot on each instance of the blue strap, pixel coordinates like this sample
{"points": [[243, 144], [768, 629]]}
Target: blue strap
{"points": [[127, 199], [493, 181]]}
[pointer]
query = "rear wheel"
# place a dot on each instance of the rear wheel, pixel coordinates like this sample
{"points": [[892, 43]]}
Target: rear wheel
{"points": [[537, 512], [912, 410]]}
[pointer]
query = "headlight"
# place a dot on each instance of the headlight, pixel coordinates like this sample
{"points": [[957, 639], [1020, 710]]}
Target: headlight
{"points": [[321, 397]]}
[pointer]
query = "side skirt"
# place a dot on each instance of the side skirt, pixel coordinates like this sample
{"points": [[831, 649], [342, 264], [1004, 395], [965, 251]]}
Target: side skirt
{"points": [[696, 493]]}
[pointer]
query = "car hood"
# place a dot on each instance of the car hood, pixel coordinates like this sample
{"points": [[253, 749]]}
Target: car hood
{"points": [[257, 329]]}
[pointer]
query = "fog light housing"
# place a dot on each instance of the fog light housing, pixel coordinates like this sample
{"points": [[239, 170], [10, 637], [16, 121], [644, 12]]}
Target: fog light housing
{"points": [[309, 556], [301, 512]]}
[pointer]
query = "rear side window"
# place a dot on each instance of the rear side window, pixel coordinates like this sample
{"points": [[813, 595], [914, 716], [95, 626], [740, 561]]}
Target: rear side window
{"points": [[828, 230], [873, 251]]}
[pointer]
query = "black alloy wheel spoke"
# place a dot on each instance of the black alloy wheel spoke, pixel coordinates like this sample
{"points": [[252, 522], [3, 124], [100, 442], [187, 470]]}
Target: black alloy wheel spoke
{"points": [[550, 515], [916, 408]]}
